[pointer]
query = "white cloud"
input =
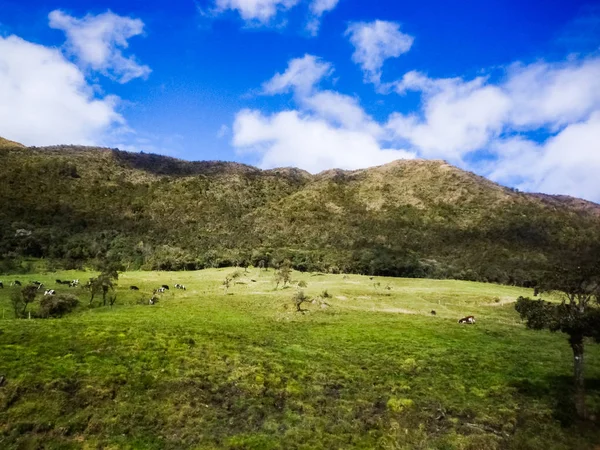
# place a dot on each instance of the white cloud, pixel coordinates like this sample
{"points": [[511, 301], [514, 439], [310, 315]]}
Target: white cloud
{"points": [[568, 163], [374, 43], [259, 12], [457, 118], [290, 138], [553, 94], [45, 99], [559, 102], [317, 9], [327, 130], [342, 110], [97, 43], [301, 75], [223, 131]]}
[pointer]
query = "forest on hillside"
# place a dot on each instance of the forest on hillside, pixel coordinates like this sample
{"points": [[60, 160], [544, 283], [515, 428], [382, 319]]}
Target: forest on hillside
{"points": [[72, 207]]}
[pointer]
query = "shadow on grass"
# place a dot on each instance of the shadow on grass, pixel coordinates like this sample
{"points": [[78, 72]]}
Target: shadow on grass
{"points": [[560, 391]]}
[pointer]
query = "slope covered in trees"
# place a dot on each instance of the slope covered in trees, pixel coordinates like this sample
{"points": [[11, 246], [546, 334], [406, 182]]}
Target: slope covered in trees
{"points": [[73, 205]]}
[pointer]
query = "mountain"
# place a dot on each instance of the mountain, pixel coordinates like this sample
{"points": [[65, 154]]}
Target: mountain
{"points": [[5, 143], [72, 205]]}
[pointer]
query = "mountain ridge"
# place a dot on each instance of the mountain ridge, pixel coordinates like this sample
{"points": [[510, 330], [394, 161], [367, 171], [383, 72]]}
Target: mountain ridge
{"points": [[405, 218]]}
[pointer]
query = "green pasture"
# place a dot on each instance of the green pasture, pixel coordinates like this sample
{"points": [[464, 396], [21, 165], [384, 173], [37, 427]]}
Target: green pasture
{"points": [[366, 366]]}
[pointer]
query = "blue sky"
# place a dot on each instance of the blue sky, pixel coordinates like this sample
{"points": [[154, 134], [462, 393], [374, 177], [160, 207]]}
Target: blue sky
{"points": [[510, 90]]}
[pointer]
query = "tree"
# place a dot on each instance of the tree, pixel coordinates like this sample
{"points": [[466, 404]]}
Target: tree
{"points": [[21, 298], [576, 278], [284, 274], [103, 283], [299, 298]]}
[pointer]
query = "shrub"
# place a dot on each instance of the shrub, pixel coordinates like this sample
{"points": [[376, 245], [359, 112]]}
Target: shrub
{"points": [[58, 305], [299, 298]]}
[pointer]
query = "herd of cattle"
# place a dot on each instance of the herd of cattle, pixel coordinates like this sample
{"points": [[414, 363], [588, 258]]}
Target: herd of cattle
{"points": [[161, 290], [75, 283]]}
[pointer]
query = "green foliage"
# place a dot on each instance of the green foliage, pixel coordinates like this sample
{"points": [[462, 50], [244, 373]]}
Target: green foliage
{"points": [[563, 317], [74, 207], [284, 274], [58, 305], [299, 298], [21, 298], [104, 283]]}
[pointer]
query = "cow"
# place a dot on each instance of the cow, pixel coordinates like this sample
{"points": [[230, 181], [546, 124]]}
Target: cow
{"points": [[160, 290], [16, 283], [153, 300], [134, 288], [536, 291], [164, 286], [38, 284], [1, 285], [74, 283], [49, 292], [433, 313], [468, 319], [180, 286]]}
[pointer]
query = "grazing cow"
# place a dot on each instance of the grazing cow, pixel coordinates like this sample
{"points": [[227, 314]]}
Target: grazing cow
{"points": [[164, 286], [153, 301], [16, 283], [1, 285], [180, 286], [134, 288], [433, 313], [160, 290], [468, 319], [74, 283], [38, 284], [49, 292]]}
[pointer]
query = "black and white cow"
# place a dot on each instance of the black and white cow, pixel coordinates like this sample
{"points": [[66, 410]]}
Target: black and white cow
{"points": [[180, 286], [74, 283], [134, 288], [165, 286], [16, 283], [160, 290], [49, 292], [468, 319]]}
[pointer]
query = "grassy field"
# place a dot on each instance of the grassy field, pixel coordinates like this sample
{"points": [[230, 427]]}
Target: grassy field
{"points": [[371, 368]]}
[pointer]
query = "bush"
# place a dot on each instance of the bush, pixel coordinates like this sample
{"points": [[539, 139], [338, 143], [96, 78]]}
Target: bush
{"points": [[58, 305]]}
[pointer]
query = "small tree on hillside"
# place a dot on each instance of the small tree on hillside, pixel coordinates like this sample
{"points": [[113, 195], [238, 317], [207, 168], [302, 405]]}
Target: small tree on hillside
{"points": [[283, 275], [577, 279], [102, 284], [227, 283], [299, 298], [21, 298]]}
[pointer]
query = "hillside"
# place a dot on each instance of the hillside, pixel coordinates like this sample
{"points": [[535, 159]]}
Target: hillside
{"points": [[5, 143], [205, 369], [71, 205]]}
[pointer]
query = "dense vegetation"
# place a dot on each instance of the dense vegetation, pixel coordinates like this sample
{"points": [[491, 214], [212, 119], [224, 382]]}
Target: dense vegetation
{"points": [[72, 206], [210, 367]]}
